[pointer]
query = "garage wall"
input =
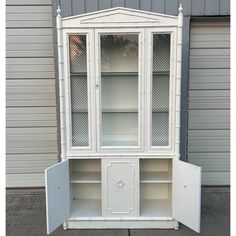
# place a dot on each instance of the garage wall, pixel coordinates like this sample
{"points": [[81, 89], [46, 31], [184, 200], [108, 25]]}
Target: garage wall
{"points": [[190, 7], [31, 142], [209, 100]]}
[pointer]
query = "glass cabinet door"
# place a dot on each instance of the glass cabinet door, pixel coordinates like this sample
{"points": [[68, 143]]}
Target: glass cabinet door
{"points": [[119, 96], [79, 91], [160, 90]]}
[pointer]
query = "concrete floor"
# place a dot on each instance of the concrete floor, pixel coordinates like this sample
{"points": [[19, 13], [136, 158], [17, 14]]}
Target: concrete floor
{"points": [[25, 214]]}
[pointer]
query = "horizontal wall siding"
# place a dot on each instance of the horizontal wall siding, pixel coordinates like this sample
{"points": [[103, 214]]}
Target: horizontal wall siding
{"points": [[209, 101], [31, 133], [190, 7]]}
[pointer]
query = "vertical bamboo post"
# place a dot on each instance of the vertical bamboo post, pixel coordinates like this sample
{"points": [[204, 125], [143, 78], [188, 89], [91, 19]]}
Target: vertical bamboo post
{"points": [[178, 82], [61, 84]]}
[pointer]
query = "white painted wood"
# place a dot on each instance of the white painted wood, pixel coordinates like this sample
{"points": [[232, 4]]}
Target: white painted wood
{"points": [[61, 78], [187, 194], [86, 177], [126, 223], [178, 82], [118, 17], [120, 187], [172, 91], [57, 195], [90, 90], [107, 192], [121, 154], [85, 191], [155, 177], [132, 121]]}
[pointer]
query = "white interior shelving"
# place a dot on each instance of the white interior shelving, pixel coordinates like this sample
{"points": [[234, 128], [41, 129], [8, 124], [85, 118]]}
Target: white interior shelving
{"points": [[119, 89], [86, 208], [86, 200], [155, 187], [155, 170], [155, 199], [85, 171], [155, 208], [85, 179]]}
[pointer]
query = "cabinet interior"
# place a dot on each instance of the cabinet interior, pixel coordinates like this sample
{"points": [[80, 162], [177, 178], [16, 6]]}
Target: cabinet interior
{"points": [[85, 191], [155, 187], [119, 89]]}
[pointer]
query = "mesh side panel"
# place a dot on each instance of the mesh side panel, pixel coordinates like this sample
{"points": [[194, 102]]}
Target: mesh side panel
{"points": [[161, 52], [79, 96], [160, 90], [160, 93], [80, 129], [78, 53]]}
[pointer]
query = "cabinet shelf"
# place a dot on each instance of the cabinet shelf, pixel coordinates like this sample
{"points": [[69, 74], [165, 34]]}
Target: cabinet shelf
{"points": [[86, 208], [155, 177], [120, 110], [108, 74], [155, 208], [116, 73], [86, 177]]}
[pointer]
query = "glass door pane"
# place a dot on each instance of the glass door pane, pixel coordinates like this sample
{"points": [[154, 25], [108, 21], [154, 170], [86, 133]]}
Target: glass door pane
{"points": [[119, 90], [160, 89], [79, 87]]}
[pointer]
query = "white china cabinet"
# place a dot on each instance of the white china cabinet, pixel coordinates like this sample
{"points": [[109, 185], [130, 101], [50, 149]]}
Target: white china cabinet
{"points": [[120, 79]]}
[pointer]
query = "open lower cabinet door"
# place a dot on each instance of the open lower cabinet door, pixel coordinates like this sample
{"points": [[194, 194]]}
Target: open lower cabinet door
{"points": [[57, 195], [187, 194]]}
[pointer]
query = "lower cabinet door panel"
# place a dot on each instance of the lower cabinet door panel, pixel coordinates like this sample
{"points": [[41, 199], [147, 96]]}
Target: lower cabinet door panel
{"points": [[57, 195], [120, 187], [187, 194]]}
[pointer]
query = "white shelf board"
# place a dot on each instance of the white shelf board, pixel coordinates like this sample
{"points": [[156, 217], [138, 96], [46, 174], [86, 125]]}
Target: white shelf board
{"points": [[119, 143], [118, 110], [86, 208], [86, 177], [119, 73], [155, 208], [155, 177]]}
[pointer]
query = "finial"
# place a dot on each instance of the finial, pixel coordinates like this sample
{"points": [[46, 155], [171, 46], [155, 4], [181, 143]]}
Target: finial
{"points": [[180, 8], [58, 10]]}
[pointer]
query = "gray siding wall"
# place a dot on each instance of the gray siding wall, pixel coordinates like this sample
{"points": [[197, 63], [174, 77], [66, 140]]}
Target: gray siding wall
{"points": [[209, 101], [31, 133], [190, 7]]}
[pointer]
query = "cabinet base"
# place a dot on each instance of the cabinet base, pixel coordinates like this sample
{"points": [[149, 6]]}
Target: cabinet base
{"points": [[116, 224]]}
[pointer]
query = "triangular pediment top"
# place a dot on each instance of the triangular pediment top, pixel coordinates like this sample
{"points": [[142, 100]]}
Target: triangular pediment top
{"points": [[119, 15]]}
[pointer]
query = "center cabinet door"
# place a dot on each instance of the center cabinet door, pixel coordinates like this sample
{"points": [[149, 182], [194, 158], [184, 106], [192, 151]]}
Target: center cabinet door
{"points": [[120, 187]]}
